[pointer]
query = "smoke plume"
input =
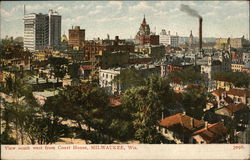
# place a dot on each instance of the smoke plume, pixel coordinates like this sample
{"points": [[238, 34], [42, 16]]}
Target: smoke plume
{"points": [[189, 11]]}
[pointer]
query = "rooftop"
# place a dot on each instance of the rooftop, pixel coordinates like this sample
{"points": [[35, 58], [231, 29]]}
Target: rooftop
{"points": [[181, 120], [212, 133]]}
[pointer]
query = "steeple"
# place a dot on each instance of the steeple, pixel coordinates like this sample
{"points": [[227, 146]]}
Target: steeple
{"points": [[144, 20], [191, 34]]}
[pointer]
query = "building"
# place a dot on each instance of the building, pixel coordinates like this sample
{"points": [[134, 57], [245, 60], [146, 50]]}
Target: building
{"points": [[106, 79], [36, 36], [191, 39], [144, 36], [239, 42], [107, 76], [246, 57], [237, 66], [222, 43], [211, 133], [42, 30], [76, 36], [226, 43], [167, 39], [54, 28], [98, 47], [179, 127], [222, 63]]}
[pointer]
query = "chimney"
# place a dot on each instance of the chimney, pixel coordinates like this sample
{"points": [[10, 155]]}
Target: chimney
{"points": [[192, 122], [206, 125], [200, 33], [222, 121]]}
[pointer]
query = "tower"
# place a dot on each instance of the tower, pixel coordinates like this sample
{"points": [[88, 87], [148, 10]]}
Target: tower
{"points": [[191, 39]]}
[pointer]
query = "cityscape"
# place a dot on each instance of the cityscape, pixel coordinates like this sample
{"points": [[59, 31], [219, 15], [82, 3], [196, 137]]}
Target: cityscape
{"points": [[121, 72]]}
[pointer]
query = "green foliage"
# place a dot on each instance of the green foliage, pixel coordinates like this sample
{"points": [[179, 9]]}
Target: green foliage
{"points": [[238, 79], [186, 76], [146, 103], [58, 64], [130, 78], [194, 101], [6, 139]]}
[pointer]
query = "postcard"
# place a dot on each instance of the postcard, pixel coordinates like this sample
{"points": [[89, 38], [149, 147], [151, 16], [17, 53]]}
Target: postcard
{"points": [[125, 79]]}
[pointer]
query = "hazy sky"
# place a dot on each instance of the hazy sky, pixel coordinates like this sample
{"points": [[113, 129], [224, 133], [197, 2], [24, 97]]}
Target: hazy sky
{"points": [[123, 18]]}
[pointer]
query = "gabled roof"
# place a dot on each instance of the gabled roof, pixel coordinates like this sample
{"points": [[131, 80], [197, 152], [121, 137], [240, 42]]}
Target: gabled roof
{"points": [[218, 92], [212, 133], [181, 120], [235, 107], [239, 92]]}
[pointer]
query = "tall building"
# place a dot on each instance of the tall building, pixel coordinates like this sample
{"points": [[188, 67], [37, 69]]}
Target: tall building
{"points": [[144, 36], [76, 36], [54, 28], [41, 30], [35, 31], [167, 39]]}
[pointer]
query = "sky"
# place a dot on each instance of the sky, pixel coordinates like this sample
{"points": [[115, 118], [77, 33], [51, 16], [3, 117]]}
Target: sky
{"points": [[123, 18]]}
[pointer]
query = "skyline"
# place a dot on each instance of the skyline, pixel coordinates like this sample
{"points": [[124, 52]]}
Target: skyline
{"points": [[123, 18]]}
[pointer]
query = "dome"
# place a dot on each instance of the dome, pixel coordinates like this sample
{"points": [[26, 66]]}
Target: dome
{"points": [[64, 38]]}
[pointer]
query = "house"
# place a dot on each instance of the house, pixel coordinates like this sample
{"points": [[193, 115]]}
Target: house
{"points": [[223, 84], [231, 109], [180, 127], [211, 133], [239, 95]]}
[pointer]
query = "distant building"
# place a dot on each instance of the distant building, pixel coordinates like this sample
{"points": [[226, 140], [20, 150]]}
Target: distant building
{"points": [[226, 43], [167, 39], [191, 39], [95, 48], [76, 36], [54, 28], [144, 36], [42, 30], [246, 57], [36, 36], [107, 76]]}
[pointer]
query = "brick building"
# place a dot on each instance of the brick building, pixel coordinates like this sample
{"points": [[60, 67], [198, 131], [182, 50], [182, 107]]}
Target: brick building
{"points": [[144, 36], [76, 36], [93, 48]]}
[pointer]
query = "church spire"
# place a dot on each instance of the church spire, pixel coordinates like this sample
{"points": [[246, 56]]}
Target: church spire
{"points": [[144, 20]]}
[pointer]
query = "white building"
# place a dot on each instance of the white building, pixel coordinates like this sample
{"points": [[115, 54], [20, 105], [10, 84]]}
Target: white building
{"points": [[168, 39], [41, 30], [246, 58], [211, 67], [106, 77], [35, 31]]}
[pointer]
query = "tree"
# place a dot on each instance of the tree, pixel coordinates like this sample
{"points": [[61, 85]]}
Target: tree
{"points": [[186, 76], [58, 65], [194, 100], [146, 104], [233, 77], [129, 78]]}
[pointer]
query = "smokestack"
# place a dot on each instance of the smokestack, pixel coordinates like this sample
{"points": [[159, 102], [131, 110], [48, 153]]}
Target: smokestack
{"points": [[200, 33], [24, 10]]}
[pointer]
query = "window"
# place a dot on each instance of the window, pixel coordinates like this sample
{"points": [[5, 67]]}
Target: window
{"points": [[239, 99]]}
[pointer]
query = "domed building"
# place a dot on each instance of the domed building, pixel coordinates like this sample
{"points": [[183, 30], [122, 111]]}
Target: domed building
{"points": [[64, 38]]}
